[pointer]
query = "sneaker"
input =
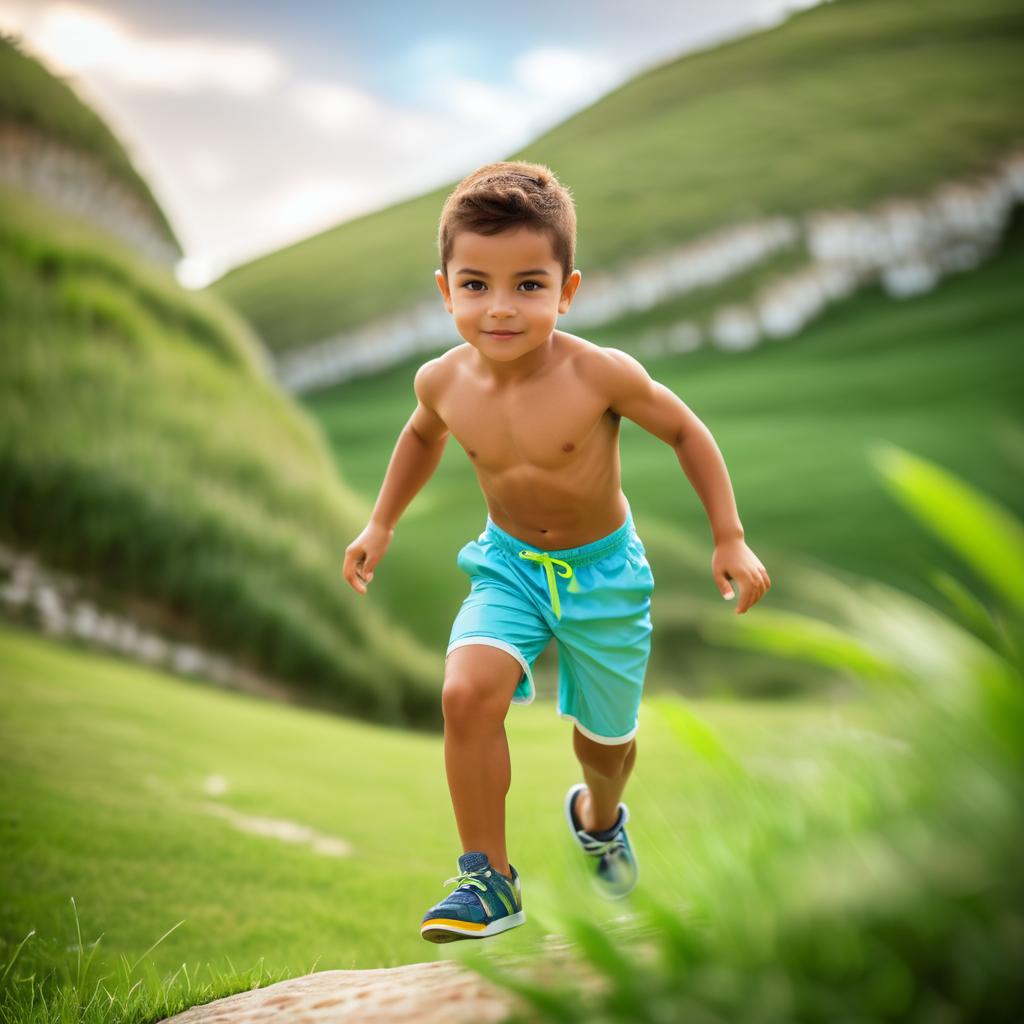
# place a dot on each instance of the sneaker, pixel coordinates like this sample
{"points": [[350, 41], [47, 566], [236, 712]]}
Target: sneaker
{"points": [[616, 870], [484, 902]]}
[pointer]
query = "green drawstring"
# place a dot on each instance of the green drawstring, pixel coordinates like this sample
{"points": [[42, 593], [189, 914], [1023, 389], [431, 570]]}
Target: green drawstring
{"points": [[549, 565]]}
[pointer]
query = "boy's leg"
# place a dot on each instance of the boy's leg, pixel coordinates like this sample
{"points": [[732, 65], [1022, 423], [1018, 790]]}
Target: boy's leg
{"points": [[606, 769], [478, 686]]}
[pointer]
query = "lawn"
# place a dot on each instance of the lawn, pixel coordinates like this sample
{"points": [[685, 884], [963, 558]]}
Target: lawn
{"points": [[104, 769]]}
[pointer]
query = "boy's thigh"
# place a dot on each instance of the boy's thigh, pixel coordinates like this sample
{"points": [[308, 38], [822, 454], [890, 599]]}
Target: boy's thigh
{"points": [[602, 666], [495, 615]]}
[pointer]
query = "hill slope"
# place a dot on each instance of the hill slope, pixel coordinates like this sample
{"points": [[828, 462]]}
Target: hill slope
{"points": [[41, 104], [143, 448], [843, 105]]}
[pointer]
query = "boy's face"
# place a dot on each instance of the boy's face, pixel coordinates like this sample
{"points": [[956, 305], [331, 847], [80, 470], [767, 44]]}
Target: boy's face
{"points": [[487, 291]]}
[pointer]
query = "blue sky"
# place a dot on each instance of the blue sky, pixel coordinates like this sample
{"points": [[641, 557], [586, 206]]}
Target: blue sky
{"points": [[259, 123]]}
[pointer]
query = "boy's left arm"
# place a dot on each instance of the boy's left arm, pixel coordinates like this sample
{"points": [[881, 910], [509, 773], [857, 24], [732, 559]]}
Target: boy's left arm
{"points": [[635, 395]]}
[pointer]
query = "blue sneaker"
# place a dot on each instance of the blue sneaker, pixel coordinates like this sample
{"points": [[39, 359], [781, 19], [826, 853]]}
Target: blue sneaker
{"points": [[616, 870], [484, 902]]}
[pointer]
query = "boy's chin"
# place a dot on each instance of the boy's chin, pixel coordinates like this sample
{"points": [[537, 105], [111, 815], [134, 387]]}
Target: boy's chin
{"points": [[501, 349]]}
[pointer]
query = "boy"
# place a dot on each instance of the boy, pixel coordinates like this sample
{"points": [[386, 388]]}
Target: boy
{"points": [[537, 412]]}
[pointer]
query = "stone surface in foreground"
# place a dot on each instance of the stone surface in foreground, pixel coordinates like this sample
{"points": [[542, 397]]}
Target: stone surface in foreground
{"points": [[426, 993]]}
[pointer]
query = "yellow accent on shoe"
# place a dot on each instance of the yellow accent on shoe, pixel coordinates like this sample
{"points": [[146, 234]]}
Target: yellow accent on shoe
{"points": [[549, 564], [466, 926]]}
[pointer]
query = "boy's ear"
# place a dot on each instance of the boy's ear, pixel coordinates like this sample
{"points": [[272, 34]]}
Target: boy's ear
{"points": [[443, 285], [568, 291]]}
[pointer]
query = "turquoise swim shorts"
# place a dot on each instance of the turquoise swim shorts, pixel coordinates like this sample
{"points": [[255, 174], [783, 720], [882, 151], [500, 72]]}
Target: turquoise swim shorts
{"points": [[595, 600]]}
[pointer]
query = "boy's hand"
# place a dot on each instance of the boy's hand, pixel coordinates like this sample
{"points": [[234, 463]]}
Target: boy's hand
{"points": [[734, 561], [363, 554]]}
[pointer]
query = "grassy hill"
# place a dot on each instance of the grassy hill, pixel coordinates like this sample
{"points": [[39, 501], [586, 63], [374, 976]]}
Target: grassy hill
{"points": [[143, 447], [33, 98], [794, 419], [846, 104]]}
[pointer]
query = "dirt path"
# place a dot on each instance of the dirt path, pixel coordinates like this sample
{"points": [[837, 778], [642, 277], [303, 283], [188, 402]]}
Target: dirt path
{"points": [[440, 992]]}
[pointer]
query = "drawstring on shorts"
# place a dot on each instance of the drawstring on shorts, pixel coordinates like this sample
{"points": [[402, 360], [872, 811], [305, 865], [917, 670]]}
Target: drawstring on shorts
{"points": [[549, 564]]}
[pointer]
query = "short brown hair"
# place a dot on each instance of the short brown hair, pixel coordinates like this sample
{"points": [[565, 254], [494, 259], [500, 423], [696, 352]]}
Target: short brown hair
{"points": [[506, 195]]}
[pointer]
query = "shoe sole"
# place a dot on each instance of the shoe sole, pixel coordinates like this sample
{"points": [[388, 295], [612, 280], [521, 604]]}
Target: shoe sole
{"points": [[446, 929], [598, 885]]}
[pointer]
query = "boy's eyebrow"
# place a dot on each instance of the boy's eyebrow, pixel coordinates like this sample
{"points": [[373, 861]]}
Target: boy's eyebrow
{"points": [[521, 273]]}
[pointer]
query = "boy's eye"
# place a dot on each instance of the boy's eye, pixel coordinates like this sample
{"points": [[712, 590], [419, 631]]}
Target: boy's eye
{"points": [[468, 283]]}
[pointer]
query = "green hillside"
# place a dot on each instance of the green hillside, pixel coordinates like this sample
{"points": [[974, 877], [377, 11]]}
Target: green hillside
{"points": [[845, 104], [35, 99], [143, 448], [938, 373]]}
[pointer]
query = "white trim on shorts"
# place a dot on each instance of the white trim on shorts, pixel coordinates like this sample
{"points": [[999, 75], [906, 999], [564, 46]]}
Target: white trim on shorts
{"points": [[601, 739], [492, 641]]}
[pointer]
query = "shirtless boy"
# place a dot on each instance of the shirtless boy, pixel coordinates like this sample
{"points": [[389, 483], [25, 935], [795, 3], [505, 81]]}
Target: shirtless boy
{"points": [[537, 411]]}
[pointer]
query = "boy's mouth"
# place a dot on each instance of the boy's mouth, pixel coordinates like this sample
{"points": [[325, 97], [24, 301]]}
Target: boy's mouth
{"points": [[502, 334]]}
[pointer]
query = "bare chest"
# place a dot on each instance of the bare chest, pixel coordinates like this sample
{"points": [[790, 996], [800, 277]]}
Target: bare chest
{"points": [[546, 428]]}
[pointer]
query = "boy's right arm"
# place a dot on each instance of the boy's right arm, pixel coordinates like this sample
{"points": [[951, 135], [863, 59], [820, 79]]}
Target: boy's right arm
{"points": [[416, 455]]}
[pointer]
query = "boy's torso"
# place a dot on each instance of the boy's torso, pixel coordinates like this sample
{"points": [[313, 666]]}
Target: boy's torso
{"points": [[545, 449]]}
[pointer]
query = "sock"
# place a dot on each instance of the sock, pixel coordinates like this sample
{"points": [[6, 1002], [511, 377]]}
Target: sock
{"points": [[605, 833]]}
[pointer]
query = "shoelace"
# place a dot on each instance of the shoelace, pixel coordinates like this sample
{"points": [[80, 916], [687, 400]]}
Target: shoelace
{"points": [[467, 879], [549, 567], [599, 847]]}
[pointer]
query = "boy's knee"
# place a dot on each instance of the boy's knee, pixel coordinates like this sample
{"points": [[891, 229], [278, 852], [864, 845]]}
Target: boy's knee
{"points": [[468, 701]]}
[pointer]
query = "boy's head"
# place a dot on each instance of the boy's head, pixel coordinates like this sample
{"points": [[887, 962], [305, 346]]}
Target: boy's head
{"points": [[507, 242], [503, 196]]}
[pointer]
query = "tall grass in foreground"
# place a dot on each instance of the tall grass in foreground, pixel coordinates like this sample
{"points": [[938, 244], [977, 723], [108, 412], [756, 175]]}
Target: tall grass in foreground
{"points": [[889, 887], [70, 992]]}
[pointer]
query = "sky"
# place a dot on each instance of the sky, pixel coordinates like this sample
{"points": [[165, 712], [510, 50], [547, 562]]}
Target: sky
{"points": [[258, 123]]}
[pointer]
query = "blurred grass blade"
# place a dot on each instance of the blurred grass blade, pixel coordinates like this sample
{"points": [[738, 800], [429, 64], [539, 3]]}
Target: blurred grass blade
{"points": [[799, 636], [696, 735], [983, 533], [972, 612]]}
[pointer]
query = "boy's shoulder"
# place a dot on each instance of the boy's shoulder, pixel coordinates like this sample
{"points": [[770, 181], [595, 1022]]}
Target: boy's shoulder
{"points": [[600, 365], [432, 375]]}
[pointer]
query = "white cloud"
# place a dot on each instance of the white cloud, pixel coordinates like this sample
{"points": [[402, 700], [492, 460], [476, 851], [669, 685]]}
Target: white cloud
{"points": [[486, 107], [208, 170], [309, 204], [563, 75], [334, 106], [79, 39]]}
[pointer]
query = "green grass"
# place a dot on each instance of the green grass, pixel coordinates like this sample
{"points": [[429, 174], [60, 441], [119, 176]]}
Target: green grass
{"points": [[37, 100], [793, 418], [801, 861], [844, 105], [102, 767], [144, 447]]}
